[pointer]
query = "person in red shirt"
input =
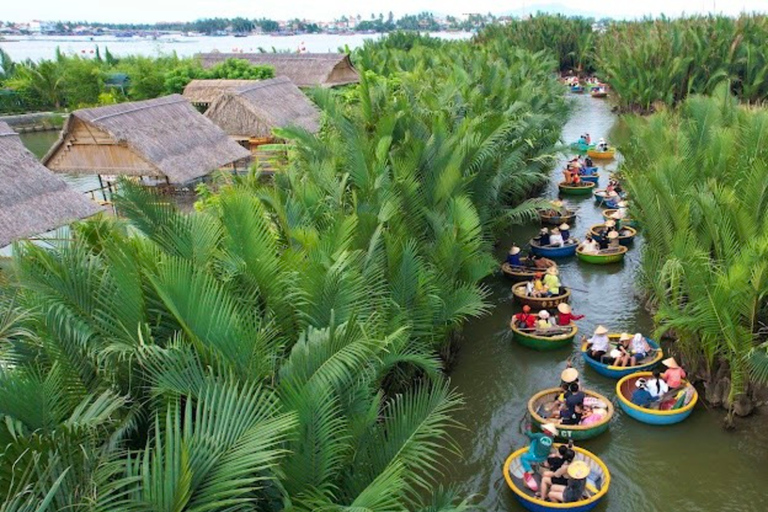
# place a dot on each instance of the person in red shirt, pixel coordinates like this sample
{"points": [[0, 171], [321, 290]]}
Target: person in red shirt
{"points": [[524, 319], [674, 375], [565, 316]]}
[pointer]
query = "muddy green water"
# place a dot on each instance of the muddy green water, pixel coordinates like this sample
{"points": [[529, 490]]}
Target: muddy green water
{"points": [[690, 467], [695, 466]]}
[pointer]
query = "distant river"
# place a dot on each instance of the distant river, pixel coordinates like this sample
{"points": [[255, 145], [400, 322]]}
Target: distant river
{"points": [[43, 47]]}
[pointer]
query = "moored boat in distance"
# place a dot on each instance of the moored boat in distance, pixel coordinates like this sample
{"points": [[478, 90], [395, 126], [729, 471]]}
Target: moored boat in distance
{"points": [[575, 432], [538, 340], [627, 385]]}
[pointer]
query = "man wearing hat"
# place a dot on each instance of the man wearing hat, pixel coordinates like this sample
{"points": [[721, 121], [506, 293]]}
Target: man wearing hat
{"points": [[674, 375], [513, 258], [524, 319], [599, 344], [565, 315], [538, 451], [577, 472], [565, 232]]}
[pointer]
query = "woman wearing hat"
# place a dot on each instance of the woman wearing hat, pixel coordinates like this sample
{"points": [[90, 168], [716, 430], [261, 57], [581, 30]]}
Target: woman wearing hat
{"points": [[552, 282], [674, 375], [613, 240], [558, 465], [565, 232], [513, 258], [599, 344], [524, 319], [573, 491], [565, 315], [538, 451], [543, 322]]}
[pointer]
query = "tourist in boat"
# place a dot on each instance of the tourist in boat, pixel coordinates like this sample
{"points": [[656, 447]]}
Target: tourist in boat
{"points": [[589, 246], [565, 232], [613, 240], [513, 257], [568, 376], [674, 375], [573, 491], [602, 145], [565, 315], [588, 162], [623, 353], [589, 139], [571, 412], [656, 385], [538, 451], [524, 319], [543, 238], [599, 344], [592, 415], [610, 225], [639, 349], [641, 396], [555, 238], [552, 282], [558, 465], [538, 289], [543, 323]]}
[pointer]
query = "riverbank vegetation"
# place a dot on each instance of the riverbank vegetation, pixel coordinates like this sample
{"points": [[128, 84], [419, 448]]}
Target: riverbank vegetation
{"points": [[697, 177], [279, 349]]}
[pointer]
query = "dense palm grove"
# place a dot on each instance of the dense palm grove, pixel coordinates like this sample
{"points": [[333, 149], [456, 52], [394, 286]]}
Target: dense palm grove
{"points": [[280, 348]]}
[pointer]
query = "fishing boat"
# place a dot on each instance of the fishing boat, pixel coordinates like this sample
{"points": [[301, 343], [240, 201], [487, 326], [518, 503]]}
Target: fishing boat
{"points": [[626, 234], [533, 338], [519, 273], [585, 189], [617, 372], [626, 221], [538, 303], [564, 251], [601, 155], [575, 432], [681, 409], [581, 147], [604, 256], [598, 482]]}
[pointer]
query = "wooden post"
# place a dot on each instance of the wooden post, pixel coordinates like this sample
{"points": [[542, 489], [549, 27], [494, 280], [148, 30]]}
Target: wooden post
{"points": [[101, 186]]}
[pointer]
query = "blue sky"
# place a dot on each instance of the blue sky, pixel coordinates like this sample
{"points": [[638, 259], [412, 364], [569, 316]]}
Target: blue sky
{"points": [[185, 10]]}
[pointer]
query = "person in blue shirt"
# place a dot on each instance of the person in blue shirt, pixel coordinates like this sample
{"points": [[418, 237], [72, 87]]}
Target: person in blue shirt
{"points": [[538, 451], [513, 258], [543, 237], [565, 232], [641, 396]]}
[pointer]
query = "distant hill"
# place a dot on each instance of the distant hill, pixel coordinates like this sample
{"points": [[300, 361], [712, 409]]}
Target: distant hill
{"points": [[553, 9]]}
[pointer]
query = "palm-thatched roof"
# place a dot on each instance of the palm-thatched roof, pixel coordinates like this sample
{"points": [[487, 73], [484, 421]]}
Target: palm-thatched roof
{"points": [[304, 69], [163, 137], [204, 92], [256, 109], [33, 200]]}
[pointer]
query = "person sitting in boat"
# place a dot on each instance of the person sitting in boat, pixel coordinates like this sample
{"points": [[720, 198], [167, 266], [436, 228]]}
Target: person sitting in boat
{"points": [[543, 323], [565, 315], [592, 415], [573, 491], [583, 140], [674, 375], [571, 412], [513, 257], [613, 240], [656, 385], [565, 232], [599, 344], [543, 238], [576, 180], [639, 349], [557, 466], [538, 288], [589, 246], [552, 282], [641, 396], [610, 225], [524, 319], [567, 377], [538, 451], [555, 238], [588, 162], [602, 146], [589, 139], [623, 354]]}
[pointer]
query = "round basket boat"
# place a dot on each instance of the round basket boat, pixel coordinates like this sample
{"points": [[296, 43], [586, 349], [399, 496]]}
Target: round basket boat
{"points": [[601, 195], [563, 251], [547, 217], [601, 155], [518, 291], [599, 94], [590, 178], [626, 386], [582, 190], [626, 234], [536, 341], [519, 273], [577, 89], [617, 372], [603, 257], [575, 432], [581, 147], [599, 481], [625, 221]]}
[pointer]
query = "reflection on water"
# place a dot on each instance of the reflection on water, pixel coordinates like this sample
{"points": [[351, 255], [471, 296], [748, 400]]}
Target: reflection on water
{"points": [[693, 466]]}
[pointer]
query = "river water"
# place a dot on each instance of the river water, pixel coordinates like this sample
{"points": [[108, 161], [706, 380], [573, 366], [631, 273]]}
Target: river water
{"points": [[695, 466], [690, 467]]}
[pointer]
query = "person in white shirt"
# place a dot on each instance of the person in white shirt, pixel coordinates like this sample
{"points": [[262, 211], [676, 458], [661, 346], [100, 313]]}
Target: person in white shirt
{"points": [[599, 344], [656, 385], [555, 238], [589, 246]]}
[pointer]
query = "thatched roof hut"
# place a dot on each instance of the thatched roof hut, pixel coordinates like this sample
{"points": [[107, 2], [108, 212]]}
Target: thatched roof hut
{"points": [[33, 200], [304, 69], [205, 92], [253, 111], [164, 137]]}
